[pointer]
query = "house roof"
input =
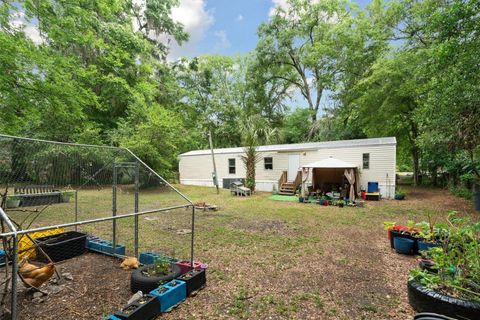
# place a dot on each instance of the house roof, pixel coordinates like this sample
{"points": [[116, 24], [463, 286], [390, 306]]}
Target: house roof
{"points": [[302, 146], [329, 163]]}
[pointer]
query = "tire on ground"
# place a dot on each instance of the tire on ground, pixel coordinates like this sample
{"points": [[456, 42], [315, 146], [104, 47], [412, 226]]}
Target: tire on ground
{"points": [[431, 316], [426, 300], [140, 282]]}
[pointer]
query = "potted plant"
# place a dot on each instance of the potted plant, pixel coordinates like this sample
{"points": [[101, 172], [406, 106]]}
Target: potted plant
{"points": [[13, 202], [454, 289], [396, 234], [429, 236], [186, 266], [399, 195], [149, 277], [146, 307], [340, 203], [67, 195]]}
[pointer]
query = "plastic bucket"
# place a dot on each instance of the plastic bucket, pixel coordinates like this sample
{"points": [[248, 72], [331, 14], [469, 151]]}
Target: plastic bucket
{"points": [[403, 245]]}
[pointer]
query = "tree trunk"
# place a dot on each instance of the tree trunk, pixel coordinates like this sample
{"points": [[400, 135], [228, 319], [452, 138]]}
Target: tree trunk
{"points": [[434, 173], [250, 174], [416, 165]]}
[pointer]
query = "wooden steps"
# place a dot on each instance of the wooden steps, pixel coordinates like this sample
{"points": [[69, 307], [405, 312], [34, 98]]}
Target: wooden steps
{"points": [[287, 188]]}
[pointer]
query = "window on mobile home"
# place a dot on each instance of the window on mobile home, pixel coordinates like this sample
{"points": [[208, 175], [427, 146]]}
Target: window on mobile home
{"points": [[366, 161], [231, 166], [268, 163]]}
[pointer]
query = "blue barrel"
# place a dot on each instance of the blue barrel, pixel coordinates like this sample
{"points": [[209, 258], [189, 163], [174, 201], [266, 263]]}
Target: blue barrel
{"points": [[372, 187]]}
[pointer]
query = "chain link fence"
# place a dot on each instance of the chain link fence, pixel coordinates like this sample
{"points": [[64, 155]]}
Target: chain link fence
{"points": [[105, 192]]}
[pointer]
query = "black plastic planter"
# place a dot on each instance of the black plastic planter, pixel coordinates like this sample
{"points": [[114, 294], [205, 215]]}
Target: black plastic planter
{"points": [[62, 246], [145, 308], [195, 279], [426, 300]]}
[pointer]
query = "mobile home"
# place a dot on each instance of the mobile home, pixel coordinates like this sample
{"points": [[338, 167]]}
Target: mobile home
{"points": [[374, 160]]}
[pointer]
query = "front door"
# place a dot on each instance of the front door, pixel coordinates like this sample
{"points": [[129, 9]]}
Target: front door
{"points": [[293, 166]]}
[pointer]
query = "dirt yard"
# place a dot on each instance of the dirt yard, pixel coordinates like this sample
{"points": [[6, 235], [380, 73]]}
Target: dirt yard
{"points": [[270, 260]]}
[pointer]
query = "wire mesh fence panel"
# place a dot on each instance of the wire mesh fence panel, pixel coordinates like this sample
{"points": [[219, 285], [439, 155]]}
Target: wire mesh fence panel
{"points": [[56, 192]]}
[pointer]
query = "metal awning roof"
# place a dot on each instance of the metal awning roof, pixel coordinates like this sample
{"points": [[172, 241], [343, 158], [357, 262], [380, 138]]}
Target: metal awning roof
{"points": [[301, 146], [329, 163]]}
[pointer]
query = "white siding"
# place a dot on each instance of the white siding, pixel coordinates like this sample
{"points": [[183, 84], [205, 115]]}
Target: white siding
{"points": [[197, 169]]}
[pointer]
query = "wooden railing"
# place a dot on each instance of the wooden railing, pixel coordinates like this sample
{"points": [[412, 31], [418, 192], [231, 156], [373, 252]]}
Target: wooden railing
{"points": [[282, 180], [298, 180]]}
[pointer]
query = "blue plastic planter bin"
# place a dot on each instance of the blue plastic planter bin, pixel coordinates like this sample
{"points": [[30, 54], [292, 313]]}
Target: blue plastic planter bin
{"points": [[2, 257], [170, 295], [403, 245], [424, 246], [111, 317], [105, 246], [372, 187], [150, 257]]}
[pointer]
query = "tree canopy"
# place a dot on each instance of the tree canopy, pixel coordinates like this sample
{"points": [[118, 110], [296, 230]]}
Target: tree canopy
{"points": [[322, 70]]}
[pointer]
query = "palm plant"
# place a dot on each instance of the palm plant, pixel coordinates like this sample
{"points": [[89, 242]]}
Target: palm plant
{"points": [[255, 131]]}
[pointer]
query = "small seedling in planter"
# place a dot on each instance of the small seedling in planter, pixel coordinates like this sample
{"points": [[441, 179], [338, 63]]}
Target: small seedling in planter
{"points": [[161, 290], [146, 307], [170, 294], [195, 280]]}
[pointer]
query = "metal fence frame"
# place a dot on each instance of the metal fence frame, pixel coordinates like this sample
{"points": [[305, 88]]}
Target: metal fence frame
{"points": [[15, 233]]}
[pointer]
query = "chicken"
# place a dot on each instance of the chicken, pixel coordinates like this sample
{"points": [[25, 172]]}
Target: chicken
{"points": [[130, 263], [36, 276]]}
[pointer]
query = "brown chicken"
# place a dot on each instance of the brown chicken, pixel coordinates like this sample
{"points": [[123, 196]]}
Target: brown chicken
{"points": [[36, 276]]}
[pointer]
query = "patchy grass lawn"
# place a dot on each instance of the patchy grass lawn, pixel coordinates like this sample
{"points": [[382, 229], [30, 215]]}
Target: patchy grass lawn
{"points": [[280, 260], [267, 259]]}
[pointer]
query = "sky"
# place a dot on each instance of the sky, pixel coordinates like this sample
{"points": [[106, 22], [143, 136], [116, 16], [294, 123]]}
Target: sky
{"points": [[224, 27]]}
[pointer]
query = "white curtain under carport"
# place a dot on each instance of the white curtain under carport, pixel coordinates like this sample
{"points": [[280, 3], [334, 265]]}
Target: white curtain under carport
{"points": [[350, 175]]}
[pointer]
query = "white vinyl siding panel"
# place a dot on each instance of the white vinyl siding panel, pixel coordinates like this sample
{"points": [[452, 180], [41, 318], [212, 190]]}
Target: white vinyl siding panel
{"points": [[381, 167]]}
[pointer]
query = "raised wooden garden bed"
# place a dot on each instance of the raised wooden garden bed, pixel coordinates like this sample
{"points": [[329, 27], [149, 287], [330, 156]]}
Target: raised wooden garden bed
{"points": [[36, 195]]}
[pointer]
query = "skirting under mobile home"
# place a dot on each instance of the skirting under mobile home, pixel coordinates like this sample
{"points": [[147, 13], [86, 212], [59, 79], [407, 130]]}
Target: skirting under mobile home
{"points": [[375, 160]]}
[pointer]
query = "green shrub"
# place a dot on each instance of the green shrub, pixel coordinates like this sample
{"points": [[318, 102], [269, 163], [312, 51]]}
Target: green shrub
{"points": [[461, 192], [457, 262]]}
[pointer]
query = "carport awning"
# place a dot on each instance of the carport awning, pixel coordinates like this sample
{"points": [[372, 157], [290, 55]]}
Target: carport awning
{"points": [[330, 163]]}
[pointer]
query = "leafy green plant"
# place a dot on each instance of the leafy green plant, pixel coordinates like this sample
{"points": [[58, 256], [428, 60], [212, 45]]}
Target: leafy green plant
{"points": [[160, 267], [457, 261], [462, 192]]}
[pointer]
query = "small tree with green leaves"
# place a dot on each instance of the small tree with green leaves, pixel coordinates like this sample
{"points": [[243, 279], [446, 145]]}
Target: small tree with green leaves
{"points": [[255, 131]]}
